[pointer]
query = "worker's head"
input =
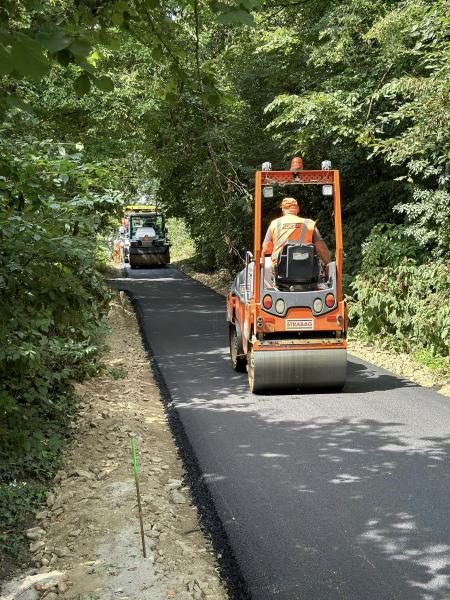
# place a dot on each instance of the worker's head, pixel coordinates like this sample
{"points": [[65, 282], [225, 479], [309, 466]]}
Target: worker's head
{"points": [[289, 206]]}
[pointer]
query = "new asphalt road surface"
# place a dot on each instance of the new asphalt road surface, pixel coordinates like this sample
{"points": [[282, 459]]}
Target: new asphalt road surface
{"points": [[324, 496]]}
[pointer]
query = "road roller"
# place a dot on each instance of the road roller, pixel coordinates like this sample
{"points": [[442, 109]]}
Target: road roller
{"points": [[288, 321], [148, 244]]}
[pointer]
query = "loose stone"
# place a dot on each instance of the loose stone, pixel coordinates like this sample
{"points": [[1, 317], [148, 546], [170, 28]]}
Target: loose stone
{"points": [[36, 546], [35, 533], [177, 497]]}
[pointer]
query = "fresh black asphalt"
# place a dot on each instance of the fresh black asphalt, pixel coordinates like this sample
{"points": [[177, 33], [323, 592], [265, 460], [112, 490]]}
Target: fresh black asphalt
{"points": [[323, 496]]}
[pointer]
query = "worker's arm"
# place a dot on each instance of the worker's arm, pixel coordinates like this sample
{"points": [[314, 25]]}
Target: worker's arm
{"points": [[321, 247], [323, 252], [267, 247]]}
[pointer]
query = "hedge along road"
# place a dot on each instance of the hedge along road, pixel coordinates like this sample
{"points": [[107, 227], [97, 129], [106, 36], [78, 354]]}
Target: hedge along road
{"points": [[322, 495]]}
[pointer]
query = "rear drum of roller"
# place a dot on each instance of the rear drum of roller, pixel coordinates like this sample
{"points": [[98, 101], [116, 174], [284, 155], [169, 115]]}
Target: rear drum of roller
{"points": [[291, 369]]}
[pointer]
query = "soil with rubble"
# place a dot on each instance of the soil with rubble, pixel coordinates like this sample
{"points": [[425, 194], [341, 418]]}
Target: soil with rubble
{"points": [[87, 542]]}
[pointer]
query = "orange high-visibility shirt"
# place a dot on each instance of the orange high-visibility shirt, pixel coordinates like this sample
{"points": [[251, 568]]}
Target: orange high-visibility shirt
{"points": [[289, 228]]}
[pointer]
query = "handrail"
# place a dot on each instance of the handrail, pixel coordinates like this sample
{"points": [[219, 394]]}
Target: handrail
{"points": [[248, 260]]}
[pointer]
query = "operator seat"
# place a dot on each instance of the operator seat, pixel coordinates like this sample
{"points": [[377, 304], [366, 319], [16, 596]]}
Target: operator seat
{"points": [[297, 268]]}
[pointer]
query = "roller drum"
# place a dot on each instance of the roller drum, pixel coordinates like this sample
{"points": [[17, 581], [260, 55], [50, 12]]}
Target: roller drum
{"points": [[149, 260], [290, 369]]}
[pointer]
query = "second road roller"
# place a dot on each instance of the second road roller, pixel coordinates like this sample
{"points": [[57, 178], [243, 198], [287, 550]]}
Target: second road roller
{"points": [[287, 317]]}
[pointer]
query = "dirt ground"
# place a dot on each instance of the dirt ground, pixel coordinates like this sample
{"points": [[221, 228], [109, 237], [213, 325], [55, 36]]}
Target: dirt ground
{"points": [[402, 364], [87, 543]]}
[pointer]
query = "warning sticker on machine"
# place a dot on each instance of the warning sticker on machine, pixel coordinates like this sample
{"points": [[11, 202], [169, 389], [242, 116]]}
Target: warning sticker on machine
{"points": [[299, 324]]}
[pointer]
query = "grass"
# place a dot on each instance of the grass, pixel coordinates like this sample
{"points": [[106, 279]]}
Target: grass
{"points": [[18, 504], [436, 364], [117, 373], [95, 566], [182, 245]]}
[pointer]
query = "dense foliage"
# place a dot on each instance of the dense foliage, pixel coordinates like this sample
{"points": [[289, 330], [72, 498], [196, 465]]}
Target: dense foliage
{"points": [[54, 203], [402, 301], [180, 101], [364, 84], [52, 300]]}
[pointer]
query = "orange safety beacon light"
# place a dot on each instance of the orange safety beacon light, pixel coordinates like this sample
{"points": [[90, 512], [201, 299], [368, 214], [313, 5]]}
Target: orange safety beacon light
{"points": [[296, 164]]}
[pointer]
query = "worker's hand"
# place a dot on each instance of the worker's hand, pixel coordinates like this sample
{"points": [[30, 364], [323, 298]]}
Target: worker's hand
{"points": [[267, 248], [322, 251]]}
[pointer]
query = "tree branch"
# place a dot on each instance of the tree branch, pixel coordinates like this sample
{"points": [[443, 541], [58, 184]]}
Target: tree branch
{"points": [[159, 36]]}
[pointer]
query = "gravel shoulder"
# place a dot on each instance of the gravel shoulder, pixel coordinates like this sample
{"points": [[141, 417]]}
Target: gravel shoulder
{"points": [[401, 364], [86, 544]]}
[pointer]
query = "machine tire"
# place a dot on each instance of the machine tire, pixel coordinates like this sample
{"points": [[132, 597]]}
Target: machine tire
{"points": [[252, 383], [238, 359], [133, 266]]}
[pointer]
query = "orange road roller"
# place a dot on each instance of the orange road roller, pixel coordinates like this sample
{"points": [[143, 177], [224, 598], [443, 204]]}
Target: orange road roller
{"points": [[287, 317]]}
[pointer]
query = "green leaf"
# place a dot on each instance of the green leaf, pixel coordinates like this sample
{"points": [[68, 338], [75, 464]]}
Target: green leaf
{"points": [[217, 7], [236, 17], [105, 84], [227, 99], [248, 4], [28, 58], [179, 53], [109, 40], [18, 103], [56, 41], [170, 97], [82, 84], [212, 99], [80, 47], [85, 65], [6, 65], [157, 53], [117, 19]]}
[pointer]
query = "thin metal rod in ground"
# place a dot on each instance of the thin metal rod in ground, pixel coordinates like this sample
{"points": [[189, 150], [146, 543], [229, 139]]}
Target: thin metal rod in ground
{"points": [[136, 480]]}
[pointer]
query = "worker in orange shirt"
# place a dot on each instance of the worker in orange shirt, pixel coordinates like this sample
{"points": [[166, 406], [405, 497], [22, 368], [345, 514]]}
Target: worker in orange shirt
{"points": [[291, 227]]}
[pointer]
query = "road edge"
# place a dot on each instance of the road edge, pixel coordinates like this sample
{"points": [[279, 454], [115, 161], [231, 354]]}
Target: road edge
{"points": [[209, 519]]}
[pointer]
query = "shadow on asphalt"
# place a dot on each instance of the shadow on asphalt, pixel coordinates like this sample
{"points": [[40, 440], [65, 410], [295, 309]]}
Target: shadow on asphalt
{"points": [[355, 510], [361, 378]]}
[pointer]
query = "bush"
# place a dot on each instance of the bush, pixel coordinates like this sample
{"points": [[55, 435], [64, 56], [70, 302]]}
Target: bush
{"points": [[17, 502], [52, 304], [404, 303], [52, 301], [182, 245]]}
